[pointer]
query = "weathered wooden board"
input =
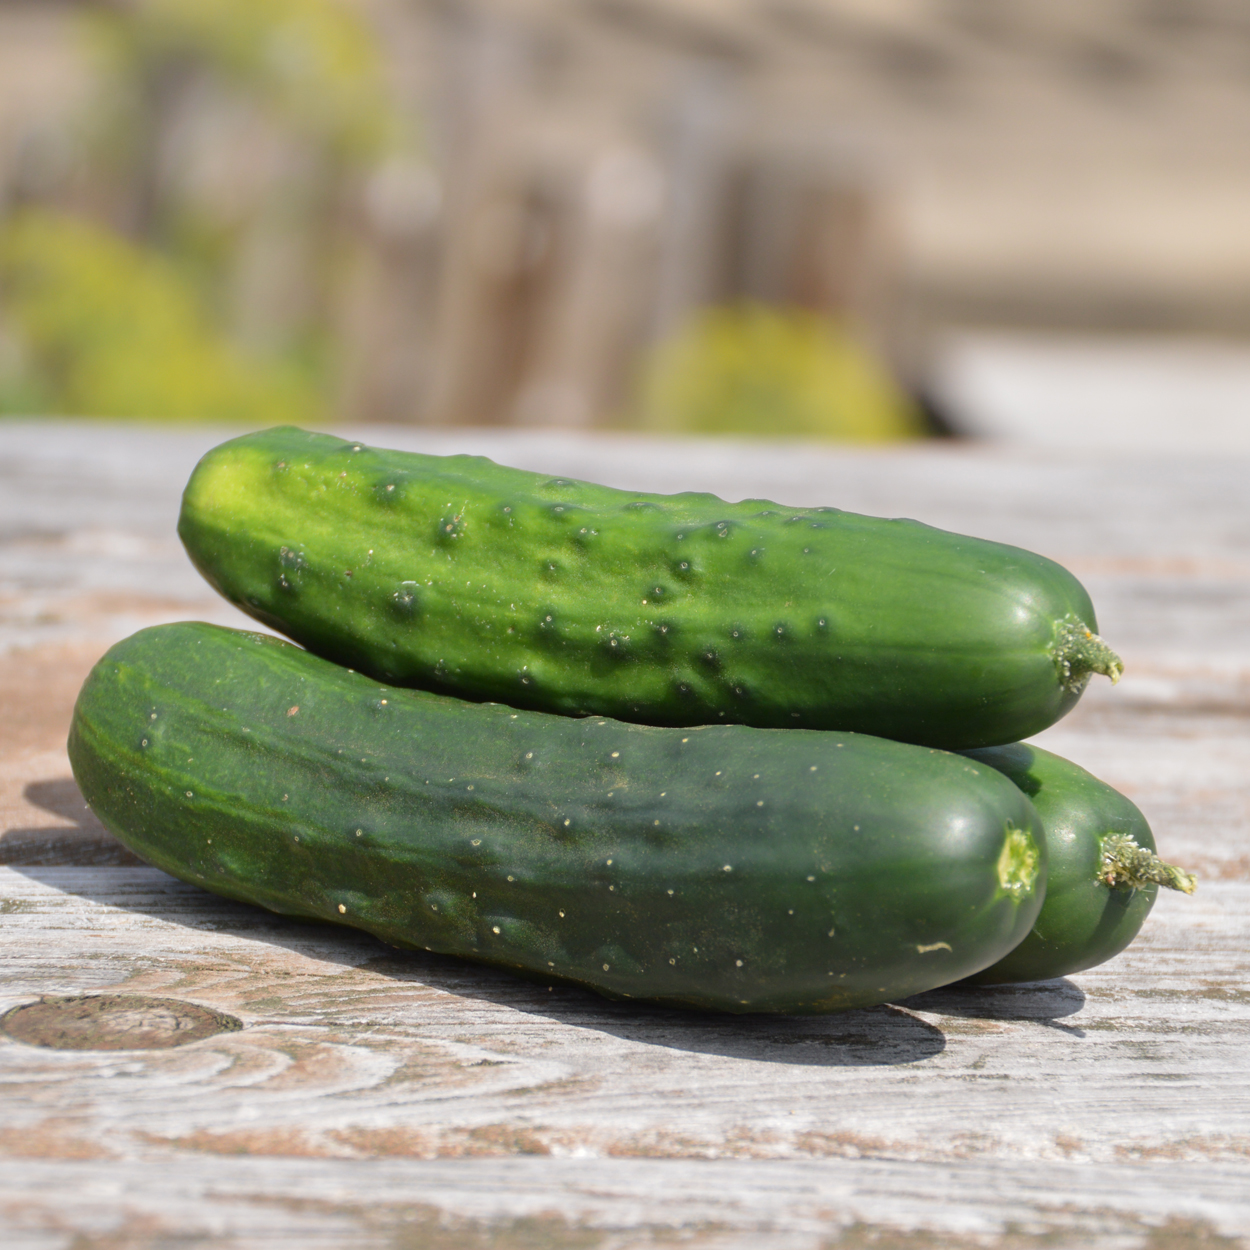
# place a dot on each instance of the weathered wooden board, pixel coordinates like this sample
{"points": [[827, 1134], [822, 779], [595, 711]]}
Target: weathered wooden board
{"points": [[378, 1098], [1100, 1104]]}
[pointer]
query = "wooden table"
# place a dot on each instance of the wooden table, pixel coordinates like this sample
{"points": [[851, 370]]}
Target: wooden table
{"points": [[378, 1099]]}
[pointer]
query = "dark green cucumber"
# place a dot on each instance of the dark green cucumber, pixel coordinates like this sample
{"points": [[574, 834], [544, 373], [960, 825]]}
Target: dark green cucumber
{"points": [[721, 867], [1103, 872], [455, 574]]}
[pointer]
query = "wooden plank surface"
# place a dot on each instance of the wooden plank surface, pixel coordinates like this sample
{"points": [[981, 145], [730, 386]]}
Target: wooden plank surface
{"points": [[373, 1098]]}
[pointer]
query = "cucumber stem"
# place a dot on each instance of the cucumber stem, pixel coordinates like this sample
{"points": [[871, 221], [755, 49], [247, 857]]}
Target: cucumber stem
{"points": [[1078, 652], [1125, 863]]}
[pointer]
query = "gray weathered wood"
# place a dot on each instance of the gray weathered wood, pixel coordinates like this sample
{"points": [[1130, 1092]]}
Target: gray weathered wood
{"points": [[377, 1098]]}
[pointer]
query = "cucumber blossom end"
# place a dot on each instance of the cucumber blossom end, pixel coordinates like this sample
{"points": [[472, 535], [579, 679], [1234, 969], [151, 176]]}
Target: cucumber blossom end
{"points": [[1079, 652], [1125, 864]]}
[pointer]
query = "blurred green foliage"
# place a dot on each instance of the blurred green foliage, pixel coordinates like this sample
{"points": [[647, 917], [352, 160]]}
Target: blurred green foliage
{"points": [[754, 369], [156, 294], [314, 62], [97, 326]]}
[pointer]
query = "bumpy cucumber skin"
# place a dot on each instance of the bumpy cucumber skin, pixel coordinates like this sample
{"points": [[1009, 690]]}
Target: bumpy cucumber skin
{"points": [[723, 867], [1083, 921], [456, 574]]}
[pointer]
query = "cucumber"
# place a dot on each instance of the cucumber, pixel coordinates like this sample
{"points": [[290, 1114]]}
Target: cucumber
{"points": [[1103, 874], [721, 867], [455, 574]]}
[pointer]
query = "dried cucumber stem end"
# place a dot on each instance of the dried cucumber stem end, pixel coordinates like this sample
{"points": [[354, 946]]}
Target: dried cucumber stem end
{"points": [[1078, 652], [1018, 863], [1124, 863]]}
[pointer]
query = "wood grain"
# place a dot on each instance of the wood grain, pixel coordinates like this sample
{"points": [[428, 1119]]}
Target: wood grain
{"points": [[375, 1098]]}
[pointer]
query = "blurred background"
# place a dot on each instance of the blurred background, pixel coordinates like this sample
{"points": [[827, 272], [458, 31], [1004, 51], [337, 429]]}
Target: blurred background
{"points": [[867, 220]]}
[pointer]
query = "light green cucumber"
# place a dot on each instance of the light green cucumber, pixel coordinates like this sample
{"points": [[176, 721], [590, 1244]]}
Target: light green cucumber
{"points": [[455, 574]]}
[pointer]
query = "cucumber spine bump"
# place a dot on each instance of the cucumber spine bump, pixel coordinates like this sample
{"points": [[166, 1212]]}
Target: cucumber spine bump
{"points": [[459, 575], [1103, 874], [721, 867]]}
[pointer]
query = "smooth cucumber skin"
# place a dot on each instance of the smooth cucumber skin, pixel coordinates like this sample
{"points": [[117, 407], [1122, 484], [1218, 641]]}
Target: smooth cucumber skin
{"points": [[722, 867], [456, 574], [1083, 921]]}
